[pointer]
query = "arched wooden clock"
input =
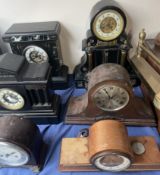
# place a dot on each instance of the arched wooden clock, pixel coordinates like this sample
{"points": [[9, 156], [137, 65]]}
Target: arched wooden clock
{"points": [[21, 144], [109, 95], [107, 41]]}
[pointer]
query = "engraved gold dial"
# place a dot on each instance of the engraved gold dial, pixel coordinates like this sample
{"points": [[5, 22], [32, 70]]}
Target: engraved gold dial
{"points": [[11, 100], [108, 25], [111, 98]]}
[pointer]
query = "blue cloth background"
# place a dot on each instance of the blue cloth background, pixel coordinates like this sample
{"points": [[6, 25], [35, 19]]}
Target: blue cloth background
{"points": [[52, 135]]}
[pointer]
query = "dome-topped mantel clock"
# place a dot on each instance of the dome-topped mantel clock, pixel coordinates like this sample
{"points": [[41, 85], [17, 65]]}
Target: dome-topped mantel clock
{"points": [[109, 96], [107, 41]]}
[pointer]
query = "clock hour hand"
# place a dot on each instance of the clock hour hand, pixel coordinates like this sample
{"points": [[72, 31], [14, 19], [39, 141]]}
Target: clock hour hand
{"points": [[7, 155]]}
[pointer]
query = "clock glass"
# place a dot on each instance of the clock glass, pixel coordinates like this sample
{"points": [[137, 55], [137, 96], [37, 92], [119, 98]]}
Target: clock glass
{"points": [[112, 162], [35, 54], [108, 25], [111, 98], [12, 155], [10, 99]]}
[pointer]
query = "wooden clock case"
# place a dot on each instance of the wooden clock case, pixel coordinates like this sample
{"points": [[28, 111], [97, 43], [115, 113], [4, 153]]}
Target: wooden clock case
{"points": [[109, 137], [83, 110]]}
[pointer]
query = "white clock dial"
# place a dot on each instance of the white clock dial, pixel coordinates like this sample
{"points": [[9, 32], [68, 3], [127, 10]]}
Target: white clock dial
{"points": [[10, 99], [111, 98], [112, 162], [12, 155], [108, 25], [35, 54]]}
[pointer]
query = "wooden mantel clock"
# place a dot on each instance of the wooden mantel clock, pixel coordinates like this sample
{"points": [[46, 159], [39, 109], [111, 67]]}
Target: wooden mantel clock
{"points": [[108, 148], [109, 96]]}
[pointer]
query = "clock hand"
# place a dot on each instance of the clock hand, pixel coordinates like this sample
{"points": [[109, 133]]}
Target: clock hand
{"points": [[7, 155], [107, 93]]}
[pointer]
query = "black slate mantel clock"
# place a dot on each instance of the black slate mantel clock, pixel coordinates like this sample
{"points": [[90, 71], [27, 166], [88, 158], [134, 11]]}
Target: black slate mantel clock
{"points": [[106, 41]]}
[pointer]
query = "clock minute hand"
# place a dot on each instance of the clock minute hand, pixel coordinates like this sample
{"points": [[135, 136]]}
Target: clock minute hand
{"points": [[7, 155], [107, 93]]}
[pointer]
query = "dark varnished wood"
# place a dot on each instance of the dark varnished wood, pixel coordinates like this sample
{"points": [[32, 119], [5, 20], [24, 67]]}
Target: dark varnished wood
{"points": [[82, 110]]}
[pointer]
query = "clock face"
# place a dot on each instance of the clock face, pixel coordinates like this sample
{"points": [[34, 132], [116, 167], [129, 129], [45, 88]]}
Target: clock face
{"points": [[10, 99], [111, 98], [35, 54], [108, 25], [12, 155], [112, 162]]}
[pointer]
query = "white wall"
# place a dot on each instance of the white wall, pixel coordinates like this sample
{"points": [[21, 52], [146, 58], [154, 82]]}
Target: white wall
{"points": [[74, 17]]}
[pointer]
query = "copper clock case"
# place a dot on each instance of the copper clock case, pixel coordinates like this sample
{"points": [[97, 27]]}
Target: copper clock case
{"points": [[109, 148]]}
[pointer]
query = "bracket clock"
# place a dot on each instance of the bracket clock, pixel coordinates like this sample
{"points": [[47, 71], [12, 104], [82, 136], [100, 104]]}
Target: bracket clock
{"points": [[106, 42], [24, 90], [39, 42]]}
